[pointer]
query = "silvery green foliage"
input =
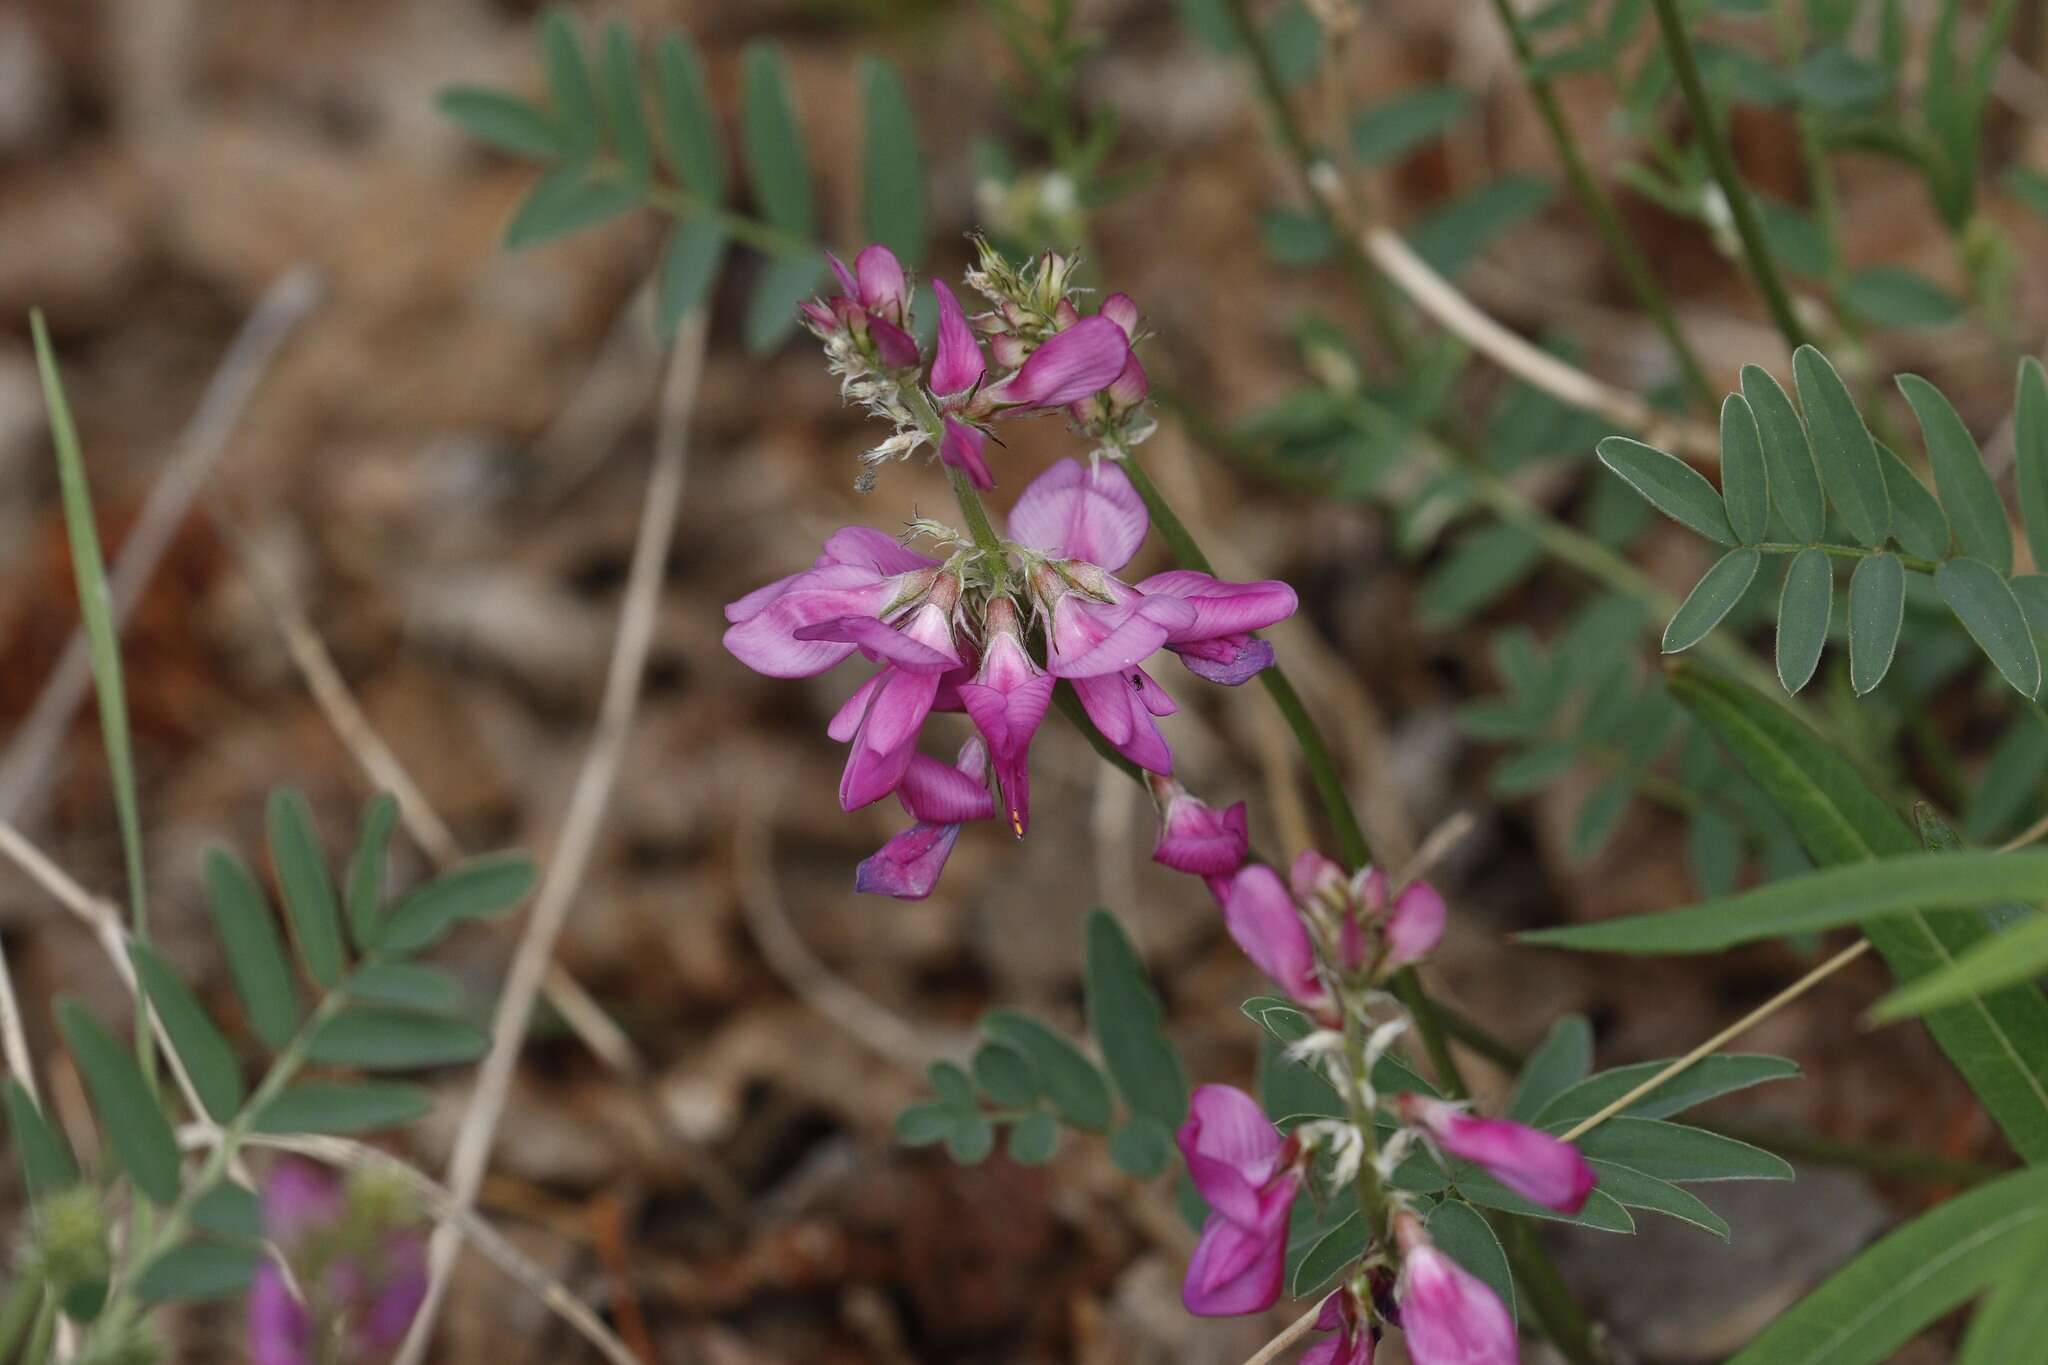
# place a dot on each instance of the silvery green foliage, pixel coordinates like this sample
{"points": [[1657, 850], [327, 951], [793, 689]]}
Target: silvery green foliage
{"points": [[624, 128]]}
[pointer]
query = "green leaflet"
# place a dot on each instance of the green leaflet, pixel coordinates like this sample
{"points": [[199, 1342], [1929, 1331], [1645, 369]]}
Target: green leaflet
{"points": [[504, 121], [1670, 485], [1124, 1016], [1917, 519], [690, 134], [208, 1059], [1564, 1060], [1842, 448], [134, 1125], [1805, 605], [1071, 1082], [1877, 609], [383, 1039], [1984, 603], [620, 72], [256, 961], [365, 891], [1634, 1190], [771, 316], [1711, 599], [309, 899], [1745, 483], [476, 889], [777, 163], [1710, 1077], [1463, 1235], [1967, 493], [690, 262], [2000, 1041], [1678, 1153], [569, 81], [563, 201], [335, 1107], [892, 171], [1788, 455], [1883, 1298], [46, 1162], [2010, 1327], [199, 1270]]}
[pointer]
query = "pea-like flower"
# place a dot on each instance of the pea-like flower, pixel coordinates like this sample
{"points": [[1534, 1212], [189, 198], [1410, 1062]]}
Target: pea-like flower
{"points": [[359, 1258], [1250, 1175], [1530, 1162], [1195, 837], [1448, 1315]]}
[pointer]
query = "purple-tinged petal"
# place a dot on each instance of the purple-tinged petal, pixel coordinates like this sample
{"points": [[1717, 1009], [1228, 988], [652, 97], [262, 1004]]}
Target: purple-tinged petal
{"points": [[1122, 310], [401, 1288], [849, 287], [1232, 1150], [940, 793], [1532, 1163], [887, 738], [1155, 698], [1008, 720], [1314, 875], [845, 722], [1231, 660], [755, 602], [1196, 838], [767, 640], [883, 641], [957, 364], [818, 317], [961, 448], [1263, 921], [896, 347], [280, 1332], [1221, 607], [1076, 511], [1234, 1270], [908, 866], [882, 285], [1415, 924], [300, 1197], [1449, 1315], [1115, 707], [1131, 386], [1089, 638], [1086, 358], [864, 547]]}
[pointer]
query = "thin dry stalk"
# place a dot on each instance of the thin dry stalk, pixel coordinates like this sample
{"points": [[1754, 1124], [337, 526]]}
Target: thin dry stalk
{"points": [[587, 803]]}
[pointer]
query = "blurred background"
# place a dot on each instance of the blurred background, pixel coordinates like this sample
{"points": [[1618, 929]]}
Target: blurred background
{"points": [[432, 454]]}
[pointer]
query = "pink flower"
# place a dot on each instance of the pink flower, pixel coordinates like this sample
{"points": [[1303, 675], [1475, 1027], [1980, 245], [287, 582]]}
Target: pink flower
{"points": [[1356, 1335], [941, 798], [1264, 921], [280, 1330], [1448, 1314], [1533, 1164], [1249, 1174], [1007, 700], [873, 305], [1413, 925], [1217, 643], [1195, 837], [1071, 364], [364, 1277], [957, 365], [861, 573]]}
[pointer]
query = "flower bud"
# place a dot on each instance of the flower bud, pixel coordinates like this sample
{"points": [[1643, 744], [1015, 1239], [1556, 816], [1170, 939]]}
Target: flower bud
{"points": [[1195, 837], [1449, 1315], [1532, 1163], [69, 1232]]}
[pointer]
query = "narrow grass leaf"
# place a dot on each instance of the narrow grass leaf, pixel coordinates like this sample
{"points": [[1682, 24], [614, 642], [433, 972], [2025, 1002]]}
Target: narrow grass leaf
{"points": [[309, 899], [1711, 599], [1922, 1272], [1670, 485], [2010, 1327], [2030, 455], [1745, 481], [892, 170], [134, 1125], [1983, 602], [1804, 607], [255, 954], [1788, 455], [1968, 496], [208, 1059], [1877, 609], [1842, 448]]}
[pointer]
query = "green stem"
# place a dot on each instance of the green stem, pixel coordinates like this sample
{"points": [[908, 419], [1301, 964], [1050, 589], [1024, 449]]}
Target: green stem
{"points": [[1913, 562], [1755, 249], [1642, 282], [38, 1349], [1302, 154]]}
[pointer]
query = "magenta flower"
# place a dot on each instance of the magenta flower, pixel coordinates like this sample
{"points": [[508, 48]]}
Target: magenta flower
{"points": [[1413, 925], [1532, 1163], [1195, 837], [364, 1299], [1250, 1175], [941, 798], [1007, 700], [1264, 921], [1356, 1335], [861, 573], [872, 306], [1449, 1315], [1071, 364], [1218, 643]]}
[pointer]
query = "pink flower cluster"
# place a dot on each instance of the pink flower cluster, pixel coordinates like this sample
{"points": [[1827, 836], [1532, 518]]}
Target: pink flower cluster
{"points": [[362, 1273], [991, 637], [1250, 1174]]}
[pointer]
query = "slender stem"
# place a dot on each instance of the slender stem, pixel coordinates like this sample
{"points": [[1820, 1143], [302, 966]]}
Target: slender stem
{"points": [[1302, 153], [1755, 249], [1620, 245], [985, 538]]}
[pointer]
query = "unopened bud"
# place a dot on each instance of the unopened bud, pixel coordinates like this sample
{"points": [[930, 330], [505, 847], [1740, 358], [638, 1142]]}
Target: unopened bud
{"points": [[69, 1238]]}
